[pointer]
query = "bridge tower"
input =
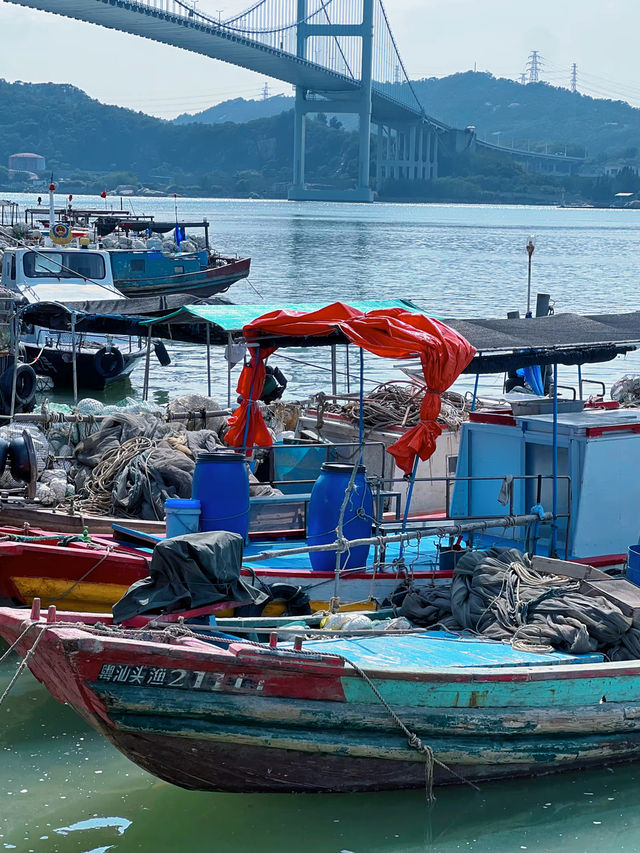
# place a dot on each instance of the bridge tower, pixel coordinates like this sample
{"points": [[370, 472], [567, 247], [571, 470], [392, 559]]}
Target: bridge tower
{"points": [[358, 103]]}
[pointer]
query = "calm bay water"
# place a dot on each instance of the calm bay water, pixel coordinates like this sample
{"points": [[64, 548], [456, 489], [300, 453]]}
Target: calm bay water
{"points": [[64, 789], [452, 260]]}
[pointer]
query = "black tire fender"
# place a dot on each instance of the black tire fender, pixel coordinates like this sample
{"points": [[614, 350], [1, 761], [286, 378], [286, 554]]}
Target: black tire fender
{"points": [[108, 364], [26, 382]]}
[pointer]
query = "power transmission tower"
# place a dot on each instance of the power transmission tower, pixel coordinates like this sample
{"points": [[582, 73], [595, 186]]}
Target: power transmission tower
{"points": [[574, 78], [534, 66], [265, 92], [523, 77]]}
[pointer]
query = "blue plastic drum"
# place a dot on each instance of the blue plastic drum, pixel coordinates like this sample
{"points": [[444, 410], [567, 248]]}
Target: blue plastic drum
{"points": [[221, 484], [633, 565], [327, 496]]}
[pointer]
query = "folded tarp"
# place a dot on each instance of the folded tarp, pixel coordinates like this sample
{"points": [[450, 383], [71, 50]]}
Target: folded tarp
{"points": [[188, 572]]}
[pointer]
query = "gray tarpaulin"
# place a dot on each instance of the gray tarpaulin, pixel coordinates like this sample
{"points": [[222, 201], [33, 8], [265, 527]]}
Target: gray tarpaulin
{"points": [[188, 572], [497, 594]]}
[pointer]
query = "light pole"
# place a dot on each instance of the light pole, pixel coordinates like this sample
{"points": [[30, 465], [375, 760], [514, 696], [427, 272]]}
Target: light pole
{"points": [[531, 245]]}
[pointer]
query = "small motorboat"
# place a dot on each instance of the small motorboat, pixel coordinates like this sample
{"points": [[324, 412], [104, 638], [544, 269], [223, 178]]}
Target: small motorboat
{"points": [[67, 275]]}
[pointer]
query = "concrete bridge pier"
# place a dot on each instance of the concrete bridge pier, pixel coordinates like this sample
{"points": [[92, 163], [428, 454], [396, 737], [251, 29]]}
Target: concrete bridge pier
{"points": [[353, 102], [407, 152]]}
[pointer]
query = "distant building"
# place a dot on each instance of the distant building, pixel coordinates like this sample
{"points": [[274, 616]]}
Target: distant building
{"points": [[27, 163]]}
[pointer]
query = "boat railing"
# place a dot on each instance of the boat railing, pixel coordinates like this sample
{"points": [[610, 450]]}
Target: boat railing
{"points": [[390, 490], [507, 488]]}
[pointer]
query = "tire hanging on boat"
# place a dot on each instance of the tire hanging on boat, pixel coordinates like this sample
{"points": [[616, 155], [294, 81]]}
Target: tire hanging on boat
{"points": [[108, 363], [25, 386], [295, 599]]}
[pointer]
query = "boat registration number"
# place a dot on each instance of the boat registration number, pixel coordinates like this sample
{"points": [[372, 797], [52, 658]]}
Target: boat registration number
{"points": [[185, 679]]}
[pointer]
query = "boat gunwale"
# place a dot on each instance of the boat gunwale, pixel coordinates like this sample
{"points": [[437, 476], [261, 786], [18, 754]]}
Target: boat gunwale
{"points": [[262, 657]]}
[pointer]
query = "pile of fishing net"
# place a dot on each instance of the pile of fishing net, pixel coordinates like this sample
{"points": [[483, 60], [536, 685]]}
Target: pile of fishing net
{"points": [[498, 595], [397, 404], [134, 462], [626, 390], [193, 243]]}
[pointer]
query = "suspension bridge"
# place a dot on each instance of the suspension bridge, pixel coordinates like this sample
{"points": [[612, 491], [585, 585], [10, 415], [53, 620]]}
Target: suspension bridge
{"points": [[341, 57]]}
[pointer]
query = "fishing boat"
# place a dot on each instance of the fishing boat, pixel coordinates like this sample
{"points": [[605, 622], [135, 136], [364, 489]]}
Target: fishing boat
{"points": [[144, 265], [210, 711], [91, 573], [67, 275]]}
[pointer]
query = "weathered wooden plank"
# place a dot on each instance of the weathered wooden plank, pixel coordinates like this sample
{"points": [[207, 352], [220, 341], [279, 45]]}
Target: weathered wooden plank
{"points": [[618, 591], [498, 722], [566, 569]]}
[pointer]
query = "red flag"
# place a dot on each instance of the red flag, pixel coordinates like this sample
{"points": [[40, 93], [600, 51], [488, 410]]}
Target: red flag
{"points": [[103, 194]]}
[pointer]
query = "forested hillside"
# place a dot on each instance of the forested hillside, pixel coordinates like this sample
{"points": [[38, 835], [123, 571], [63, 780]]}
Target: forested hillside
{"points": [[501, 110], [80, 136]]}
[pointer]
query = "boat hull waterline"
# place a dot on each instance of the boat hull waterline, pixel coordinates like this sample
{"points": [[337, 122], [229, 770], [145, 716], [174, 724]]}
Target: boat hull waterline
{"points": [[250, 718]]}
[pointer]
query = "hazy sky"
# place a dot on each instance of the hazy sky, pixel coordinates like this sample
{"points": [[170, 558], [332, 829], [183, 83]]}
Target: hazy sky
{"points": [[435, 38]]}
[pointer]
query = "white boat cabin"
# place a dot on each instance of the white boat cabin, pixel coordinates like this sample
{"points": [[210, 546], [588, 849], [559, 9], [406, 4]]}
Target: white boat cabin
{"points": [[59, 274]]}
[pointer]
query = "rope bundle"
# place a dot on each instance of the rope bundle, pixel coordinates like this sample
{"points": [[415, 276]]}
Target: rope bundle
{"points": [[99, 487], [398, 404]]}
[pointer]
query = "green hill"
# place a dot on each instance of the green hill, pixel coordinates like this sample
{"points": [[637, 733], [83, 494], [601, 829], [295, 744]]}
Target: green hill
{"points": [[501, 110], [89, 145], [81, 137]]}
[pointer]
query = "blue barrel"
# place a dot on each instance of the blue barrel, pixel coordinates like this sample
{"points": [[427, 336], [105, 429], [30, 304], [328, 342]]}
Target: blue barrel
{"points": [[633, 565], [182, 516], [327, 496], [221, 484]]}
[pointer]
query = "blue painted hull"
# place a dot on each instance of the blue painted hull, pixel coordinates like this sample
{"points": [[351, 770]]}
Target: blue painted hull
{"points": [[227, 715]]}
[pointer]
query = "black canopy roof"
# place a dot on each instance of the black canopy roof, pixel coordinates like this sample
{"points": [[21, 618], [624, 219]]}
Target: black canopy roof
{"points": [[502, 344]]}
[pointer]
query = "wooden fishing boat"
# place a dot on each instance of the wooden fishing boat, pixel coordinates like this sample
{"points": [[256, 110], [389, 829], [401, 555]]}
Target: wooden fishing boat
{"points": [[200, 274], [214, 712], [90, 574]]}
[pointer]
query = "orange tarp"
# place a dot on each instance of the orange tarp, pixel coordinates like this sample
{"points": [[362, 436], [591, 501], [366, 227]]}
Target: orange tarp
{"points": [[390, 333]]}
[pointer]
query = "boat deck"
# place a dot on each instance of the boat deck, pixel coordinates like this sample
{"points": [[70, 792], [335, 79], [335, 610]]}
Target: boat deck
{"points": [[437, 650]]}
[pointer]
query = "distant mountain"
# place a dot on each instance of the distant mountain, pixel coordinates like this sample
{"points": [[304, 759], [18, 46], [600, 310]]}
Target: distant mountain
{"points": [[90, 145], [501, 110], [238, 111]]}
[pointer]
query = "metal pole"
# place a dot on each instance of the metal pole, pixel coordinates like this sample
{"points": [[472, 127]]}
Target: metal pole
{"points": [[208, 359], [346, 349], [74, 352], [434, 529], [361, 418], [531, 245], [554, 528], [16, 353], [407, 504], [228, 370], [147, 367], [334, 373], [475, 390], [580, 381]]}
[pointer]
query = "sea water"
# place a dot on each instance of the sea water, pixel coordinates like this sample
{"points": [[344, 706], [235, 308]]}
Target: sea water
{"points": [[64, 789]]}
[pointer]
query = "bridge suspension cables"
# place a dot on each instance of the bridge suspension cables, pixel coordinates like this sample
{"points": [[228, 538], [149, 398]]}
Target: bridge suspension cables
{"points": [[340, 55]]}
